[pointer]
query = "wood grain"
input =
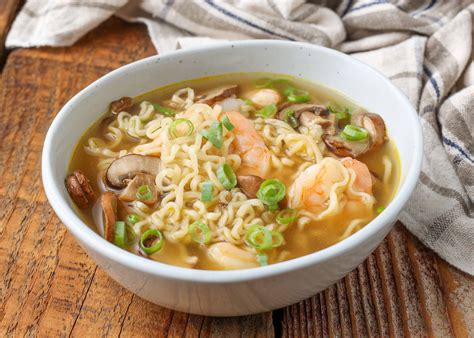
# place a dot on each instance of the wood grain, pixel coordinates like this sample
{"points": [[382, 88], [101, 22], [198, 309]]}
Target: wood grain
{"points": [[50, 288], [8, 9]]}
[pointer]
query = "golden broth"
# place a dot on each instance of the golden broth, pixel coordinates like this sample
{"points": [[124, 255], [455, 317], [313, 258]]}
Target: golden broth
{"points": [[299, 241]]}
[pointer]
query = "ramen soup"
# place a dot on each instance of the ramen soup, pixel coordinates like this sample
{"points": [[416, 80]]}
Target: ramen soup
{"points": [[234, 171]]}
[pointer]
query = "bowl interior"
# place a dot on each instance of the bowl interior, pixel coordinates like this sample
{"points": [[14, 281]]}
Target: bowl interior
{"points": [[333, 69]]}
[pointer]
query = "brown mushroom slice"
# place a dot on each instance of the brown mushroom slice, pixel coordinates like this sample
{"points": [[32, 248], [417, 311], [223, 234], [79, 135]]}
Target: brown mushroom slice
{"points": [[373, 123], [108, 202], [125, 168], [344, 148], [129, 194], [122, 104], [219, 94], [299, 108], [80, 189], [249, 184]]}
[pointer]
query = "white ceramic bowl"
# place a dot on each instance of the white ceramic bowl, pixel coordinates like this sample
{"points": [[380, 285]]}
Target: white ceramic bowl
{"points": [[230, 293]]}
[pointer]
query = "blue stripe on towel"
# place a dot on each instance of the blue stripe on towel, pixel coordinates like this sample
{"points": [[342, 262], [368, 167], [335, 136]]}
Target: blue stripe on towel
{"points": [[456, 146], [433, 82], [249, 23]]}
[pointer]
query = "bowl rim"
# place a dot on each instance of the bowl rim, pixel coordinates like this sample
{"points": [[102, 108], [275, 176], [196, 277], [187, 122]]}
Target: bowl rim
{"points": [[135, 262]]}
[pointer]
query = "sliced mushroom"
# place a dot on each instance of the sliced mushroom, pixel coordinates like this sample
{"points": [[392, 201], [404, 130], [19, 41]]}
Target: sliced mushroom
{"points": [[299, 108], [218, 94], [109, 208], [80, 189], [328, 122], [264, 97], [374, 124], [249, 184], [344, 148], [129, 194], [125, 168], [122, 104]]}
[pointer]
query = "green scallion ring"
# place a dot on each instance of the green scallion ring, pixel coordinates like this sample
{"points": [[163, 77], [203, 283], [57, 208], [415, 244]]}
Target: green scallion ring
{"points": [[354, 133], [144, 193], [174, 125], [227, 124], [166, 111], [226, 176], [151, 241], [214, 134], [264, 83], [262, 259], [380, 210], [200, 232], [267, 111], [133, 219], [120, 234], [271, 192], [286, 216], [296, 95], [259, 237], [277, 239], [290, 118], [206, 191], [340, 114]]}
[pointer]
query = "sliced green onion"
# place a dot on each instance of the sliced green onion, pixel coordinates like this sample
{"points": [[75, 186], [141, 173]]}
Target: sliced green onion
{"points": [[271, 192], [248, 102], [214, 134], [277, 239], [267, 111], [354, 133], [206, 191], [296, 95], [262, 259], [290, 118], [164, 110], [120, 234], [144, 193], [340, 114], [133, 218], [173, 131], [286, 216], [273, 206], [271, 83], [259, 237], [264, 83], [151, 241], [227, 124], [200, 232], [226, 176], [380, 209]]}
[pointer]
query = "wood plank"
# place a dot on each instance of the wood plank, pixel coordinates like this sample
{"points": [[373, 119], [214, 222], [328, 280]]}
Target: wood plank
{"points": [[48, 285], [403, 289], [8, 10]]}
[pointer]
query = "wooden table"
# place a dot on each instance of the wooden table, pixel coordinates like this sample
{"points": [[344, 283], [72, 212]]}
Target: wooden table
{"points": [[49, 287]]}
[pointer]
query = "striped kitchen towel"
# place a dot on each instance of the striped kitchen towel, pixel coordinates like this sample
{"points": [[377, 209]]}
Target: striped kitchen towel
{"points": [[424, 46]]}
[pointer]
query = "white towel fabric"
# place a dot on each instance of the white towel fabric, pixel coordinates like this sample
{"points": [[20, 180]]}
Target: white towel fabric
{"points": [[423, 46]]}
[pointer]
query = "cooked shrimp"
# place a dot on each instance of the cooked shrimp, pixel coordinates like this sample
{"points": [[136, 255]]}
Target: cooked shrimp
{"points": [[249, 145], [363, 180], [311, 188], [264, 97], [229, 257]]}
